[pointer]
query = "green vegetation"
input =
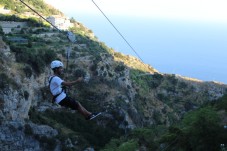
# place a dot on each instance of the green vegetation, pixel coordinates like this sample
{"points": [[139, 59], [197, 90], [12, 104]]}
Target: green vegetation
{"points": [[140, 81], [6, 82], [199, 130], [34, 51], [31, 21], [121, 145], [93, 46], [9, 4], [221, 103], [136, 139], [36, 58], [145, 80], [72, 124], [38, 5]]}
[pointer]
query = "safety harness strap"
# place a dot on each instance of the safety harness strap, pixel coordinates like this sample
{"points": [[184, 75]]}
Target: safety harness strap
{"points": [[54, 96]]}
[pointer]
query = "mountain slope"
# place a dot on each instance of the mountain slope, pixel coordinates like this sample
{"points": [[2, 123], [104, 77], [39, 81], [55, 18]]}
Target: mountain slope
{"points": [[130, 93]]}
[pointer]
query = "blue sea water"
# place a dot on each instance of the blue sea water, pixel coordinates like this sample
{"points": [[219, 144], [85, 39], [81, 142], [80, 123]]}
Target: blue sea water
{"points": [[193, 49]]}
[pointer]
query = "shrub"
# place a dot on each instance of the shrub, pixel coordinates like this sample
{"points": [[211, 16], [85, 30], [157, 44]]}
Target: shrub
{"points": [[121, 145], [6, 82], [199, 130], [26, 95], [47, 143], [79, 73], [119, 55], [36, 58], [119, 68], [131, 145], [28, 130], [28, 71], [222, 103], [172, 79], [145, 136], [155, 80]]}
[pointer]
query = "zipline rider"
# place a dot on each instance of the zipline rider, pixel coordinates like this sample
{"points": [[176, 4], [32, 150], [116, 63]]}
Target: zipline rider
{"points": [[59, 95]]}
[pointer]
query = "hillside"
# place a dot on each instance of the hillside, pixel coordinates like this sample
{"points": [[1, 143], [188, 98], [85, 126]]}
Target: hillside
{"points": [[130, 94]]}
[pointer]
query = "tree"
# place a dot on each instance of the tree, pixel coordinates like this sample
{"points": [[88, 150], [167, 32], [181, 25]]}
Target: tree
{"points": [[203, 129], [199, 130], [72, 20]]}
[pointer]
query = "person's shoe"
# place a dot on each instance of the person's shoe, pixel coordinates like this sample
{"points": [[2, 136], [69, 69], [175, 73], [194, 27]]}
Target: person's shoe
{"points": [[93, 115]]}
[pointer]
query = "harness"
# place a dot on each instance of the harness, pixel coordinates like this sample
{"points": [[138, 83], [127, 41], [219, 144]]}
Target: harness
{"points": [[54, 96]]}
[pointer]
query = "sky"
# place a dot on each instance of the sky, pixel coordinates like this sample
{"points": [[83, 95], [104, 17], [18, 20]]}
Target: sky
{"points": [[202, 10], [186, 37]]}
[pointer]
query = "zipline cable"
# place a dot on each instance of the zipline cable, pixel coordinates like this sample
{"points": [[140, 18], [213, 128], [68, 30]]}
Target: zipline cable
{"points": [[118, 31], [71, 37], [104, 16]]}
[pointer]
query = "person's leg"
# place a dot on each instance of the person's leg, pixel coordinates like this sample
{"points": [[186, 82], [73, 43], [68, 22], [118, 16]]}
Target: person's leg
{"points": [[88, 115], [82, 110], [70, 103]]}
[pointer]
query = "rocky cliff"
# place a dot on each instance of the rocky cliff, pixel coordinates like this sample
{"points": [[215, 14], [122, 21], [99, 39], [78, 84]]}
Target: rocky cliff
{"points": [[119, 85]]}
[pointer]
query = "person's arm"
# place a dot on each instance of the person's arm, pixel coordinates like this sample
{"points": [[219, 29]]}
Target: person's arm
{"points": [[69, 83]]}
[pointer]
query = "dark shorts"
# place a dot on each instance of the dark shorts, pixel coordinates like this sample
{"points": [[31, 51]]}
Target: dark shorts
{"points": [[69, 103]]}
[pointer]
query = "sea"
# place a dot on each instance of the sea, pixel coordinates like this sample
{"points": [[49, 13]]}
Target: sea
{"points": [[193, 49]]}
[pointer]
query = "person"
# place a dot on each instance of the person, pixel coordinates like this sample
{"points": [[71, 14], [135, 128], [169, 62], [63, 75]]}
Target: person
{"points": [[56, 85]]}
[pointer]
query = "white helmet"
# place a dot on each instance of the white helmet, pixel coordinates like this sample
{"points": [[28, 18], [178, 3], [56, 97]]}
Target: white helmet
{"points": [[56, 64]]}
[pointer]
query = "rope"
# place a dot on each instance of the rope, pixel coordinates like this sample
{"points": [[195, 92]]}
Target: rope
{"points": [[118, 31]]}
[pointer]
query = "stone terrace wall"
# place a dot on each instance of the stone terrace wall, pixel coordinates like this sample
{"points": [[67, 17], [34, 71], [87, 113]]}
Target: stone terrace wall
{"points": [[8, 25]]}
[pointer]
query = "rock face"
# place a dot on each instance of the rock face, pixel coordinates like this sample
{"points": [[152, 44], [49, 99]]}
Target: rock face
{"points": [[17, 95], [162, 94], [17, 136], [146, 98]]}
